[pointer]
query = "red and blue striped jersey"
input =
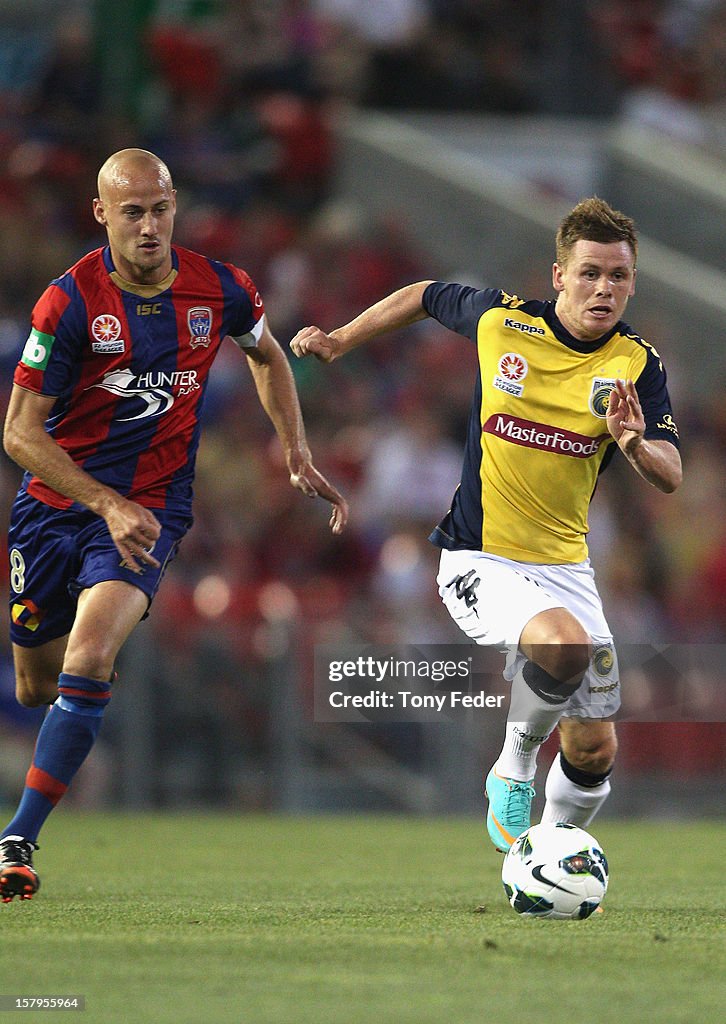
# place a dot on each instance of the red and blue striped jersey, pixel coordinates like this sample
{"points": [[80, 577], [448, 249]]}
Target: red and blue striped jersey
{"points": [[129, 364]]}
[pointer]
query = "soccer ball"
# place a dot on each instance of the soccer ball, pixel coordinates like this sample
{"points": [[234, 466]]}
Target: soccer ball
{"points": [[555, 871]]}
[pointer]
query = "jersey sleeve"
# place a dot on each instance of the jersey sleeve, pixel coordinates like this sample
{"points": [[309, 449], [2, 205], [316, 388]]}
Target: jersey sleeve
{"points": [[459, 307], [50, 355], [652, 388], [248, 319]]}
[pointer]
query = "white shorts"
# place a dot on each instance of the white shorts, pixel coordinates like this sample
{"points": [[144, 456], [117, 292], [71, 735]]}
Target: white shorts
{"points": [[492, 599]]}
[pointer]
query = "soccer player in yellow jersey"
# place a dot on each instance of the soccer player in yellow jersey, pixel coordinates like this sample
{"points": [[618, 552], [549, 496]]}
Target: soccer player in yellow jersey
{"points": [[560, 385]]}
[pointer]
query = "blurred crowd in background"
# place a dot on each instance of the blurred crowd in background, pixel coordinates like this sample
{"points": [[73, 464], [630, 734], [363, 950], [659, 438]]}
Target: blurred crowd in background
{"points": [[240, 100]]}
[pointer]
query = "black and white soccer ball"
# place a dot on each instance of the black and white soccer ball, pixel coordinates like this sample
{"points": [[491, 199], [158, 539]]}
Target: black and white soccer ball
{"points": [[555, 871]]}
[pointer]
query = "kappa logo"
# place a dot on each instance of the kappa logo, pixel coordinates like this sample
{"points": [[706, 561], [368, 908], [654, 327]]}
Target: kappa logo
{"points": [[513, 368], [106, 331], [600, 392], [607, 688], [199, 319], [517, 325], [530, 737]]}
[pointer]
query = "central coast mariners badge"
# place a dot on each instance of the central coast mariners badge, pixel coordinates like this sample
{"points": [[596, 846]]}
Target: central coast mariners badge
{"points": [[199, 319], [600, 396]]}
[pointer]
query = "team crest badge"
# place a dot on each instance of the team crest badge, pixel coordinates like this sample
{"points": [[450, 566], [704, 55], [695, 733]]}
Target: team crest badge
{"points": [[600, 396], [512, 369], [199, 319], [603, 659]]}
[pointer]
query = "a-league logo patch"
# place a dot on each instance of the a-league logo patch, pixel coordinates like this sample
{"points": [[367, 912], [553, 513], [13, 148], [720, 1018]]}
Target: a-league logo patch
{"points": [[600, 396], [106, 331], [199, 319], [512, 368]]}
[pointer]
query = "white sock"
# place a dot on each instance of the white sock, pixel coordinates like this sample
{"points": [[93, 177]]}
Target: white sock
{"points": [[530, 722], [518, 758], [566, 801]]}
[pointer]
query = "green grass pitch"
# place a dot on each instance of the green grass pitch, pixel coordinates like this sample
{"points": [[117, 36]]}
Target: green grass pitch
{"points": [[196, 919]]}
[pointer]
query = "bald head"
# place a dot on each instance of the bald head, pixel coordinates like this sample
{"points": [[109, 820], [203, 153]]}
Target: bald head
{"points": [[122, 168], [136, 203]]}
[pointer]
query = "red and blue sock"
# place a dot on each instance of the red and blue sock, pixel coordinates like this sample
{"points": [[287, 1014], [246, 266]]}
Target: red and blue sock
{"points": [[66, 736]]}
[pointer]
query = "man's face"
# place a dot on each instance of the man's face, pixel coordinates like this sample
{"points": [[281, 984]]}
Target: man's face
{"points": [[594, 286], [137, 207]]}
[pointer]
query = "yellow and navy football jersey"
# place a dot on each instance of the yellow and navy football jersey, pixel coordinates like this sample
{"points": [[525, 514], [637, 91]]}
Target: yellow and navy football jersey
{"points": [[537, 435]]}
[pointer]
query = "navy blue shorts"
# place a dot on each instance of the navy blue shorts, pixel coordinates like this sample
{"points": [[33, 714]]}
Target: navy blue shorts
{"points": [[56, 553]]}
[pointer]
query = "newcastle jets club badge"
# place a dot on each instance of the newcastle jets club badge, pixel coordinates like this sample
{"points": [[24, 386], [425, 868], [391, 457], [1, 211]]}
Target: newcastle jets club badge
{"points": [[199, 319]]}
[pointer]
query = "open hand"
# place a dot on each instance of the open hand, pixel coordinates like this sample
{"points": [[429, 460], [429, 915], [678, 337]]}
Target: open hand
{"points": [[312, 483], [134, 530], [625, 418]]}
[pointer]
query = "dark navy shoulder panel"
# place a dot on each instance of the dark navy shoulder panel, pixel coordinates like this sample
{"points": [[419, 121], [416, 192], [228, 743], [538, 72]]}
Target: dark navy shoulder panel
{"points": [[652, 388], [459, 307]]}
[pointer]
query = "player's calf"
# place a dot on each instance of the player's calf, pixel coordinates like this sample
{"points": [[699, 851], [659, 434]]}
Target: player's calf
{"points": [[572, 795], [590, 750]]}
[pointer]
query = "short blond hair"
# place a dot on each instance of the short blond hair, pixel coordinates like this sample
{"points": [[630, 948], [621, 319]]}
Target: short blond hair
{"points": [[594, 220]]}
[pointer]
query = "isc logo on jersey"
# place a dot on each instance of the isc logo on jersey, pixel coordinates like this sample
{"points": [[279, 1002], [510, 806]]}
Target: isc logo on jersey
{"points": [[512, 368]]}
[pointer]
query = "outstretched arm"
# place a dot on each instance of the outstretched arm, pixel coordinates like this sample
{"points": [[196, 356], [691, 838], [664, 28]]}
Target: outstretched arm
{"points": [[276, 389], [133, 528], [658, 462], [397, 310]]}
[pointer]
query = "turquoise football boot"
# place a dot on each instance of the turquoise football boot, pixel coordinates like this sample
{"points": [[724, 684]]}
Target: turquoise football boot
{"points": [[510, 805]]}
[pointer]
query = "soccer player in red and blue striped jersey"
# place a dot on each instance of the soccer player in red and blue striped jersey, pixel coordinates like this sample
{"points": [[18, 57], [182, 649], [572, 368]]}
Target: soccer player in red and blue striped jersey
{"points": [[104, 417]]}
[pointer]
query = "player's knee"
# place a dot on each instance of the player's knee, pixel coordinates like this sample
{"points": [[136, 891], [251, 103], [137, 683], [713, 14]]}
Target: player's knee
{"points": [[596, 758], [33, 691], [558, 643], [572, 660], [566, 657], [92, 660]]}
